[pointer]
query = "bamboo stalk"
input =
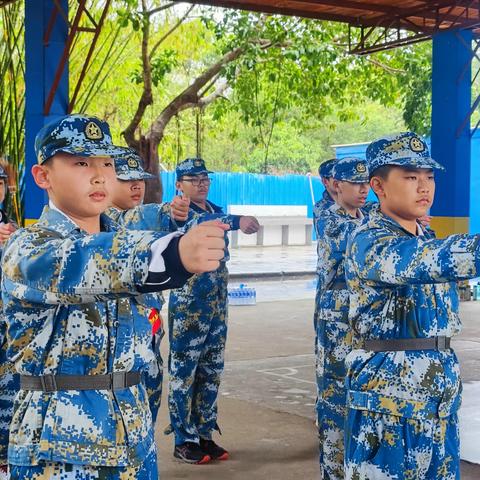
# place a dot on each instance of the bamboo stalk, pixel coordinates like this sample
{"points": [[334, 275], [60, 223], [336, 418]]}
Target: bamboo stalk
{"points": [[12, 105]]}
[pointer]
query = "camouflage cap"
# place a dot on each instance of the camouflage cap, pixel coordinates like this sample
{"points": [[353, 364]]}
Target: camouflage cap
{"points": [[191, 166], [129, 166], [325, 168], [351, 169], [80, 135], [404, 150]]}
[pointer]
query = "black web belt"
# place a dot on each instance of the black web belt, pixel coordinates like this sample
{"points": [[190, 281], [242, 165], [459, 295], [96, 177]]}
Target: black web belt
{"points": [[54, 383], [402, 344]]}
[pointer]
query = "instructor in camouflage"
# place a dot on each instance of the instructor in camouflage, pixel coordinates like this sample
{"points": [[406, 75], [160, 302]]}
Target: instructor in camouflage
{"points": [[197, 323]]}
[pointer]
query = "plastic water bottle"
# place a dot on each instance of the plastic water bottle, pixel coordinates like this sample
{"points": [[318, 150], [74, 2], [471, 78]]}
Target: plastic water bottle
{"points": [[477, 291], [242, 295]]}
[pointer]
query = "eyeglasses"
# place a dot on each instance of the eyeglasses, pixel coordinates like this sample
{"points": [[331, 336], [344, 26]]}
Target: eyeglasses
{"points": [[196, 182]]}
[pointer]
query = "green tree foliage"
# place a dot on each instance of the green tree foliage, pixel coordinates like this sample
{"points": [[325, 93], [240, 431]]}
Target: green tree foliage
{"points": [[285, 89], [12, 103]]}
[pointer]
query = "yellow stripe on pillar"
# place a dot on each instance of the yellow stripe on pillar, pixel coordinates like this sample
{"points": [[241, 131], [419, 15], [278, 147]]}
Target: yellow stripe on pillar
{"points": [[30, 221], [444, 226]]}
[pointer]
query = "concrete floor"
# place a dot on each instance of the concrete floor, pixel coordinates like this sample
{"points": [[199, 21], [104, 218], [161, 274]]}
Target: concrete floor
{"points": [[268, 391]]}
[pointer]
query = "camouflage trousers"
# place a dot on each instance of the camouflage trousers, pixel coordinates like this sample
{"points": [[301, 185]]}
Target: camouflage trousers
{"points": [[9, 386], [153, 377], [147, 470], [332, 348], [197, 334], [386, 447], [331, 420]]}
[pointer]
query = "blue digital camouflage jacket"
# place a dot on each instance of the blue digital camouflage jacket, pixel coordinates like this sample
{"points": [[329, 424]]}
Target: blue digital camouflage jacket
{"points": [[403, 286], [73, 307], [325, 202], [334, 227], [8, 379]]}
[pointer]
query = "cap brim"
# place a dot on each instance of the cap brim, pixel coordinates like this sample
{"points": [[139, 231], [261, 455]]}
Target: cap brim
{"points": [[181, 174], [96, 150], [427, 163], [135, 176], [354, 180]]}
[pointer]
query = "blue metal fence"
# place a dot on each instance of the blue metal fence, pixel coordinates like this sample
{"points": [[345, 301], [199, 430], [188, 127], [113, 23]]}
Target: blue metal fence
{"points": [[252, 189]]}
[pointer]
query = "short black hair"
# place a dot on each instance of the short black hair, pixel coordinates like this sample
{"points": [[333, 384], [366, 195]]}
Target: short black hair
{"points": [[382, 172]]}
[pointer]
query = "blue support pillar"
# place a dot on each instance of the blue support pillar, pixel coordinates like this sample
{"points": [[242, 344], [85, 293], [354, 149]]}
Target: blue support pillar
{"points": [[41, 62], [451, 102]]}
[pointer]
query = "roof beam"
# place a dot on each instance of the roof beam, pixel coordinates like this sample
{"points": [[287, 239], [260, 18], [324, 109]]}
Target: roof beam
{"points": [[252, 5], [313, 9]]}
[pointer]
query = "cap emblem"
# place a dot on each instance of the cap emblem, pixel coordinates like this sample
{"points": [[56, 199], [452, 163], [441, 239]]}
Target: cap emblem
{"points": [[93, 131], [360, 168], [416, 145], [132, 163]]}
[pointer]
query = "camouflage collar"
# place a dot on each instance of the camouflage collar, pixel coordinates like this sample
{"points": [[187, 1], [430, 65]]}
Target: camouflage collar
{"points": [[336, 208], [54, 219], [378, 219]]}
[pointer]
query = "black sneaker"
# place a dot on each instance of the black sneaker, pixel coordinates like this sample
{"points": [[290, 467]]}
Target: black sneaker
{"points": [[215, 451], [190, 452]]}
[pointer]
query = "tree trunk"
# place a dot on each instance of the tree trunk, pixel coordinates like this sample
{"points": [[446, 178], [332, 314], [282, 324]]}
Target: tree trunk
{"points": [[149, 153]]}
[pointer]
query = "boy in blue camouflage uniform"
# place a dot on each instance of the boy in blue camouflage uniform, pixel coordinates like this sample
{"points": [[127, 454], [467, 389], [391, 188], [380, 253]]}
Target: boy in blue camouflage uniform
{"points": [[9, 382], [351, 178], [327, 200], [328, 197], [77, 329], [197, 324], [128, 193], [403, 384]]}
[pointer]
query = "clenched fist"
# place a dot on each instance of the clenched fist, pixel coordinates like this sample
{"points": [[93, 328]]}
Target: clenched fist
{"points": [[179, 207], [6, 229], [425, 220], [249, 225], [203, 246]]}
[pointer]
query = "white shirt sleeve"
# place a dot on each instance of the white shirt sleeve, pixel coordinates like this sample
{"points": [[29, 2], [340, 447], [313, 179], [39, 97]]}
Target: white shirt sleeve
{"points": [[157, 263]]}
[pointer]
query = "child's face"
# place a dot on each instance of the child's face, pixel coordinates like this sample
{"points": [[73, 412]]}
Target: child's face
{"points": [[128, 194], [79, 186], [353, 195], [3, 189], [408, 193]]}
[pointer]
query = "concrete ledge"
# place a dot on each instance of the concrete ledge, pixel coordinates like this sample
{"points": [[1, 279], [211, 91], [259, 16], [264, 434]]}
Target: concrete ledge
{"points": [[272, 275], [279, 225]]}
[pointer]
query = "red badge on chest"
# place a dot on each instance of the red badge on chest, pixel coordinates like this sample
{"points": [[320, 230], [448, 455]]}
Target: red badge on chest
{"points": [[155, 320]]}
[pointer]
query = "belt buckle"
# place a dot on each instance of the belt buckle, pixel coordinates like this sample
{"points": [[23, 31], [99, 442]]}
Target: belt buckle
{"points": [[118, 380], [441, 343], [48, 383]]}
